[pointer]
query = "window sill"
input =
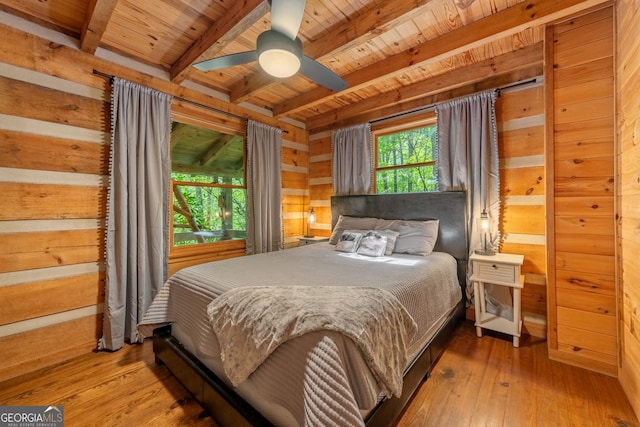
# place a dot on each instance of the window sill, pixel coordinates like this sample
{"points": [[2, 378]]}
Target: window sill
{"points": [[184, 256]]}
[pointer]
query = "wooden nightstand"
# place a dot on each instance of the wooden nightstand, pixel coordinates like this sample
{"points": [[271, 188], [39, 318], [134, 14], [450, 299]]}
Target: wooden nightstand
{"points": [[304, 241], [503, 270]]}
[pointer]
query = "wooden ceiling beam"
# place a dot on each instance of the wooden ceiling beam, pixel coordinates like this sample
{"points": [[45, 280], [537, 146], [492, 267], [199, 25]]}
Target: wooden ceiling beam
{"points": [[241, 16], [95, 23], [493, 27], [369, 24], [231, 171], [494, 82], [502, 64]]}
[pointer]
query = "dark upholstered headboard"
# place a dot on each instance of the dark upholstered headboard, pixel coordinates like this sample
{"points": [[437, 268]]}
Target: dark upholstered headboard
{"points": [[448, 207]]}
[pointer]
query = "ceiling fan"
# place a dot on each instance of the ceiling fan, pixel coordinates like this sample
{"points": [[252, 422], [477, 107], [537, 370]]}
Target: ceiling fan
{"points": [[279, 50]]}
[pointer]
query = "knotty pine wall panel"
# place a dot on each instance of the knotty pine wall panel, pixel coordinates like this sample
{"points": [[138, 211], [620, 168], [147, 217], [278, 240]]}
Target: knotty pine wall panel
{"points": [[587, 282], [294, 155], [522, 181], [602, 347], [603, 323], [33, 345], [29, 250], [321, 168], [37, 201], [628, 88], [581, 115], [520, 142], [52, 105], [47, 297], [25, 151], [535, 260]]}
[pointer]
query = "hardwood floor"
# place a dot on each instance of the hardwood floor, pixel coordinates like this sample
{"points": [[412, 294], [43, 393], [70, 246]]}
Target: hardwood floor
{"points": [[476, 382], [487, 382]]}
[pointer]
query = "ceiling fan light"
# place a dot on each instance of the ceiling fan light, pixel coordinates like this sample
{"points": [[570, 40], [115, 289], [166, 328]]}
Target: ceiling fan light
{"points": [[279, 63], [278, 55]]}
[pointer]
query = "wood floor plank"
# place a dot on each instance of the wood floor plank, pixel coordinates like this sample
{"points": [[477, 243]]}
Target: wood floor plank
{"points": [[477, 382], [494, 392], [522, 381]]}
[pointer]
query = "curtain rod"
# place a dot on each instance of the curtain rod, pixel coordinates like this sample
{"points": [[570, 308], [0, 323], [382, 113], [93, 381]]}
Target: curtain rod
{"points": [[110, 77], [431, 106]]}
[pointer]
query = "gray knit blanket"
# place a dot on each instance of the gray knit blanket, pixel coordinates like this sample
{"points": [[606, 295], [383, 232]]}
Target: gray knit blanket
{"points": [[251, 322]]}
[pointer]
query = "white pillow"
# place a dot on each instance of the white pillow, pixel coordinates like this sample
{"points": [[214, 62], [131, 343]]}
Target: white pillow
{"points": [[349, 241], [416, 237], [373, 244], [351, 223]]}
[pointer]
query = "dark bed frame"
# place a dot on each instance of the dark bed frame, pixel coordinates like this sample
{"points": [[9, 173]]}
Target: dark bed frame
{"points": [[229, 409]]}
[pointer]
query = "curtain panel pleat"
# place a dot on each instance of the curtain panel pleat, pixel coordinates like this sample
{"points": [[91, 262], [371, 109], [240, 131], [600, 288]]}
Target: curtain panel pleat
{"points": [[264, 188], [352, 160], [136, 245], [468, 160]]}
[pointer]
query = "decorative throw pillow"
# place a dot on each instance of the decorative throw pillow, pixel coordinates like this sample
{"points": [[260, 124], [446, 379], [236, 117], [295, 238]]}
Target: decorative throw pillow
{"points": [[373, 244], [351, 223], [390, 234], [349, 241]]}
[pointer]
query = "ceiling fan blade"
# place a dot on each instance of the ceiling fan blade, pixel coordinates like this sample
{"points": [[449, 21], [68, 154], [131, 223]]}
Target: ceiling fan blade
{"points": [[286, 16], [322, 75], [227, 61]]}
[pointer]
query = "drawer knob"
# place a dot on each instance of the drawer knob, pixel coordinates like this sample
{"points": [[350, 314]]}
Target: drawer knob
{"points": [[495, 266]]}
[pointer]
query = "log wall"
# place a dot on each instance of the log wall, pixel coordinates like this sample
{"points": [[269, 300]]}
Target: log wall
{"points": [[520, 119], [628, 84], [54, 142], [581, 184], [53, 160]]}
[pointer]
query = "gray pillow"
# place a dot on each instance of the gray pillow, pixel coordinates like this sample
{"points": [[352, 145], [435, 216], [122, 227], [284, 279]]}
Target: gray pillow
{"points": [[351, 223]]}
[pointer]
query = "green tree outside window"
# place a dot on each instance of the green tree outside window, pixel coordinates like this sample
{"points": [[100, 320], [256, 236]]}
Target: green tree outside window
{"points": [[406, 161]]}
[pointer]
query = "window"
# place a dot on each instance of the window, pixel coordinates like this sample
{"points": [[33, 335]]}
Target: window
{"points": [[208, 185], [406, 160]]}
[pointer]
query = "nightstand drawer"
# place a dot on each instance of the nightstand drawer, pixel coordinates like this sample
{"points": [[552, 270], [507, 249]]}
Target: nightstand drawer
{"points": [[495, 272]]}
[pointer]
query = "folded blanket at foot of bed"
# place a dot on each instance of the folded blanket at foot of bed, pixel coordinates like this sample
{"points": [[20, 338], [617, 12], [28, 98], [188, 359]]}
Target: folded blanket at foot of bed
{"points": [[251, 322]]}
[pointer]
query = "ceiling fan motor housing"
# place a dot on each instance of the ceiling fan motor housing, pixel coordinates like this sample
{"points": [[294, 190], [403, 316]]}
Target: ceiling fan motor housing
{"points": [[279, 55]]}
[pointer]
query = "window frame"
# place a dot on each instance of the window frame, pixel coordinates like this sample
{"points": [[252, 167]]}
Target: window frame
{"points": [[426, 120], [227, 126]]}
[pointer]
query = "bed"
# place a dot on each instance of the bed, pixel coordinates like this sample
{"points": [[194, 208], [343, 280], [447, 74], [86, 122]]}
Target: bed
{"points": [[323, 370]]}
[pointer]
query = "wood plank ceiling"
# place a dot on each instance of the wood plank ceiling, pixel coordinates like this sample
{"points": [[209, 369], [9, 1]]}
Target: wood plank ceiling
{"points": [[393, 54]]}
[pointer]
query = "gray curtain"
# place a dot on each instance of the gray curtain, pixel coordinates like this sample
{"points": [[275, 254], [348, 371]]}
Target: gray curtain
{"points": [[264, 203], [468, 159], [352, 160], [137, 208]]}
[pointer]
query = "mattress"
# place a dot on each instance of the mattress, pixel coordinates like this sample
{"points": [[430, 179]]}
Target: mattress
{"points": [[320, 378]]}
